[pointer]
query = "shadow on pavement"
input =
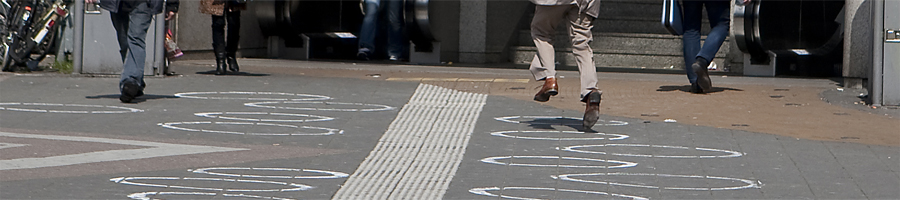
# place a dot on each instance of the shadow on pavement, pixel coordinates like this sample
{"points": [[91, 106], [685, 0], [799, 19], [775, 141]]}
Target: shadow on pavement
{"points": [[213, 72], [687, 88], [139, 99], [547, 123]]}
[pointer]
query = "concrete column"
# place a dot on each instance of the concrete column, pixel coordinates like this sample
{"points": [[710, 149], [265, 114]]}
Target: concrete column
{"points": [[858, 39], [472, 31]]}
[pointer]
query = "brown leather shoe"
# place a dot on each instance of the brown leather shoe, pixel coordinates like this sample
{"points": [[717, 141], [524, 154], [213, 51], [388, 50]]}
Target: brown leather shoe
{"points": [[549, 89], [592, 110]]}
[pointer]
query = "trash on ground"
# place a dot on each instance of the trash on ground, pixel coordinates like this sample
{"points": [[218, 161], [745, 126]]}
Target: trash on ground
{"points": [[840, 89], [670, 121]]}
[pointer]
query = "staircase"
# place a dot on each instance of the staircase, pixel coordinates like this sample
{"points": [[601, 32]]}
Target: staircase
{"points": [[627, 35]]}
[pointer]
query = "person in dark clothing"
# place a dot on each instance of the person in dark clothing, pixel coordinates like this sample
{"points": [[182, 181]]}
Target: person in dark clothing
{"points": [[224, 12], [697, 58], [131, 19]]}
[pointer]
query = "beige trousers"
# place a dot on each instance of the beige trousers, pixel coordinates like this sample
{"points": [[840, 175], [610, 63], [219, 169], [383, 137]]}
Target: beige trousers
{"points": [[543, 27]]}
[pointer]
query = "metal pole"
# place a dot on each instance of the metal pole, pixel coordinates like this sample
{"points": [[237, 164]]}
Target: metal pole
{"points": [[78, 17], [159, 49], [876, 90]]}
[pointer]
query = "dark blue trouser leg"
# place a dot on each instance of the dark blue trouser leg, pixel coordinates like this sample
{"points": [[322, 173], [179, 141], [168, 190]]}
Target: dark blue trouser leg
{"points": [[369, 25], [131, 31], [717, 11]]}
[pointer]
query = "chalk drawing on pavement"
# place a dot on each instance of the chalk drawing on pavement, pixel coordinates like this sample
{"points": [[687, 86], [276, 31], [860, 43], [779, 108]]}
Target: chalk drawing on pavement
{"points": [[323, 131], [285, 186], [249, 96], [619, 164], [230, 116], [560, 135], [555, 120], [323, 106], [505, 190], [36, 107], [327, 174], [152, 195], [727, 153], [746, 183]]}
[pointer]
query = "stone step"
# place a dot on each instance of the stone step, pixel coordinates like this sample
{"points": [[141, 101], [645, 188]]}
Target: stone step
{"points": [[627, 43]]}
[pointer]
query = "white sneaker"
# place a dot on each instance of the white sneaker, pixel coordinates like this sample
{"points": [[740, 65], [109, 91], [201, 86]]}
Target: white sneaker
{"points": [[394, 58]]}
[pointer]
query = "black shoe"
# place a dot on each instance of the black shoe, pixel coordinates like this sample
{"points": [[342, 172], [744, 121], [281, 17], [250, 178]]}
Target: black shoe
{"points": [[696, 89], [220, 64], [592, 110], [362, 56], [232, 64], [129, 92], [702, 74]]}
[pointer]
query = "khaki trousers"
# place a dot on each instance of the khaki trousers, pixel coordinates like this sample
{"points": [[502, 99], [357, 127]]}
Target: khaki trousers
{"points": [[543, 28]]}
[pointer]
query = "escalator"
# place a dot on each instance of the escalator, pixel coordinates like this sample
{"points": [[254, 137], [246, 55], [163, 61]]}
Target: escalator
{"points": [[331, 26], [800, 37]]}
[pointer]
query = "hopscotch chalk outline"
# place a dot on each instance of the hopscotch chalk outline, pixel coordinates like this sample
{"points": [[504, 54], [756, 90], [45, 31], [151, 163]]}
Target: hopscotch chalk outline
{"points": [[622, 164], [144, 195], [294, 186], [750, 184], [310, 97], [509, 119], [505, 134], [221, 115], [260, 105], [126, 109], [484, 191], [173, 125], [209, 170], [731, 154]]}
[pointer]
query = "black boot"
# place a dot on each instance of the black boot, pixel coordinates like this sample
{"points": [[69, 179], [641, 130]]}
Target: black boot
{"points": [[220, 64], [232, 63]]}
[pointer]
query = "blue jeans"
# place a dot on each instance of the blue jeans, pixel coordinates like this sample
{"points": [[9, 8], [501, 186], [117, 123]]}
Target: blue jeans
{"points": [[395, 25], [131, 31], [717, 12]]}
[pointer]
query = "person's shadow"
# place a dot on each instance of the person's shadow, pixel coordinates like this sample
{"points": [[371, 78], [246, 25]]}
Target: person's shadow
{"points": [[230, 73], [139, 99], [548, 123], [687, 88]]}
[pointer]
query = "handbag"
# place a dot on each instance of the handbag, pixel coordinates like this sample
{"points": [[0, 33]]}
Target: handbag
{"points": [[671, 17]]}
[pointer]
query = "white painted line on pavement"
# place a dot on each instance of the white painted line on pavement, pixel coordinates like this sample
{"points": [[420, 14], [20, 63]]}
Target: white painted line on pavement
{"points": [[175, 125], [290, 186], [304, 97], [586, 136], [156, 149], [11, 145], [323, 106], [556, 120], [210, 171], [6, 106], [229, 116], [620, 164], [729, 154], [419, 154], [152, 195], [749, 183], [484, 191]]}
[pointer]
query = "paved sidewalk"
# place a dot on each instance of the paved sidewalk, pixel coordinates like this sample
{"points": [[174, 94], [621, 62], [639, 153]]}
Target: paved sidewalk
{"points": [[286, 129]]}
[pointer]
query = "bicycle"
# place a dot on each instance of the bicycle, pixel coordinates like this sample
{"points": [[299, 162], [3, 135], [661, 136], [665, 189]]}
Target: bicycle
{"points": [[31, 30]]}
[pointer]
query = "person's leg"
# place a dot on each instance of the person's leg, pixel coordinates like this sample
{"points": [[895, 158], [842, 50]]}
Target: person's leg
{"points": [[120, 23], [138, 22], [132, 81], [234, 36], [692, 12], [396, 39], [218, 43], [580, 25], [368, 29], [719, 19], [543, 28]]}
